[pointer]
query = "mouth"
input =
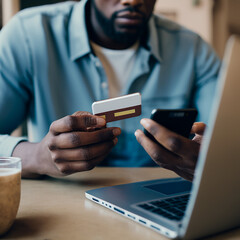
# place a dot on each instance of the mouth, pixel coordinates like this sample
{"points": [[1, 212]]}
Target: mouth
{"points": [[129, 18]]}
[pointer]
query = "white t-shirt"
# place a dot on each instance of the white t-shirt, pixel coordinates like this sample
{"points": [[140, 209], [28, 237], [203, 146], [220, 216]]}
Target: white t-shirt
{"points": [[117, 65]]}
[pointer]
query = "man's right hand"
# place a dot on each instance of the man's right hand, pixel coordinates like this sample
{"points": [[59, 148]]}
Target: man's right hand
{"points": [[73, 144]]}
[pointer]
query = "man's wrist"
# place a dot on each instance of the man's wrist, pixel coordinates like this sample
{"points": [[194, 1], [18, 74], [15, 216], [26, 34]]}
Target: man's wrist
{"points": [[28, 153]]}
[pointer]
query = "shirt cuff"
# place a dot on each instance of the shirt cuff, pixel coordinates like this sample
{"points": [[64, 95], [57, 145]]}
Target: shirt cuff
{"points": [[8, 143]]}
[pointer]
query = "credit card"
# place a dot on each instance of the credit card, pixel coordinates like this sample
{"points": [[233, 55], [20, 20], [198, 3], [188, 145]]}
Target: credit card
{"points": [[114, 109]]}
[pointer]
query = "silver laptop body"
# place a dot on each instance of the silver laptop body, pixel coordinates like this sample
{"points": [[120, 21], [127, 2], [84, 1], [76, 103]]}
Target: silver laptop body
{"points": [[214, 195]]}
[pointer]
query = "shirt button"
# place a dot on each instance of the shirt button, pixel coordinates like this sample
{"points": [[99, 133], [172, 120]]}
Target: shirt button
{"points": [[104, 85], [98, 64]]}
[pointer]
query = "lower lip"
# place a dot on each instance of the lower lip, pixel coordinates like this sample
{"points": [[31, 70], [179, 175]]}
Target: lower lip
{"points": [[129, 21]]}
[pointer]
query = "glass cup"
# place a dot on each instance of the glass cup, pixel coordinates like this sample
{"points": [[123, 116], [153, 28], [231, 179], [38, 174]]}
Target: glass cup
{"points": [[10, 191]]}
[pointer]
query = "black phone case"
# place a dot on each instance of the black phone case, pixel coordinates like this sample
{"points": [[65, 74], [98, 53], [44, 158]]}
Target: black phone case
{"points": [[176, 120]]}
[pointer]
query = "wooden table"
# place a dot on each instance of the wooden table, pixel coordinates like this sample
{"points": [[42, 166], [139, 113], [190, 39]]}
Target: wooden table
{"points": [[57, 208]]}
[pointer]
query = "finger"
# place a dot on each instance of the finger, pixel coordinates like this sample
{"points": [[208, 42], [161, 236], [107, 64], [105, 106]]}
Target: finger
{"points": [[158, 153], [92, 128], [70, 167], [175, 143], [198, 139], [198, 128], [183, 174], [163, 157], [78, 139], [84, 153], [81, 113], [186, 170], [76, 123]]}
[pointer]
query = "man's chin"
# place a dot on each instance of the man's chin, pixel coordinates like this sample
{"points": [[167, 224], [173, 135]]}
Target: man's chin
{"points": [[126, 38], [127, 35]]}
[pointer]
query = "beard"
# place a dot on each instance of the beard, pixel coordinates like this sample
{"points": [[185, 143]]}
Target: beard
{"points": [[119, 34]]}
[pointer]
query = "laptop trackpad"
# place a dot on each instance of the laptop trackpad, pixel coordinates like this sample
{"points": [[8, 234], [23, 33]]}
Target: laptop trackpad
{"points": [[170, 188]]}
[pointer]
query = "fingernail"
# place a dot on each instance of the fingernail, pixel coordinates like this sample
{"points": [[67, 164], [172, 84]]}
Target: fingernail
{"points": [[101, 121], [116, 131], [136, 133], [115, 140], [144, 122]]}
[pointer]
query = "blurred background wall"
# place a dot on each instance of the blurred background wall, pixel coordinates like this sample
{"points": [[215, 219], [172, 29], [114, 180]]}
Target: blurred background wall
{"points": [[195, 15], [214, 20]]}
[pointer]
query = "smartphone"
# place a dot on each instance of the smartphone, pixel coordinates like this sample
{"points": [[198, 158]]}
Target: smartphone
{"points": [[176, 120]]}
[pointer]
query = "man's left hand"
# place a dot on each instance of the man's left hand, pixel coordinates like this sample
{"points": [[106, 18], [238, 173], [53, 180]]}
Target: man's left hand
{"points": [[172, 151]]}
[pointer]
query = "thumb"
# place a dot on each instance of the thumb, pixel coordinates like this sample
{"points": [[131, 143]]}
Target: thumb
{"points": [[81, 113], [198, 128]]}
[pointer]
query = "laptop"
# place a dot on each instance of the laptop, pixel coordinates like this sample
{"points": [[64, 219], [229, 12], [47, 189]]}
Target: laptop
{"points": [[210, 204]]}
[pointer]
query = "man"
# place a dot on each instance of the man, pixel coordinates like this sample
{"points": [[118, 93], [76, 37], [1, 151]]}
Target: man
{"points": [[56, 60]]}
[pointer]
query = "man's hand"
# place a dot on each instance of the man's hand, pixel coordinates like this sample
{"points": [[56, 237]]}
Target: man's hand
{"points": [[74, 143], [173, 152]]}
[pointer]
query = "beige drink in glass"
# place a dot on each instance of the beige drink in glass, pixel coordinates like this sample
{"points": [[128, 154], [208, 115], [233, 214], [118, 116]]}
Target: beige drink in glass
{"points": [[10, 191]]}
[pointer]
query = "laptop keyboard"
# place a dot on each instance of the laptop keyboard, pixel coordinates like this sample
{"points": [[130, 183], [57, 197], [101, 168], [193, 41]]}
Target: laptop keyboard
{"points": [[172, 208]]}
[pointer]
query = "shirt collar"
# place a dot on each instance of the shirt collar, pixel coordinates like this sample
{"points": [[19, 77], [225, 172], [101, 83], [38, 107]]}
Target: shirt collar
{"points": [[153, 41], [78, 36]]}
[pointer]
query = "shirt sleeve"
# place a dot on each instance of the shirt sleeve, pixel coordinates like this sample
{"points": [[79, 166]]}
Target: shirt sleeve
{"points": [[207, 66], [15, 83]]}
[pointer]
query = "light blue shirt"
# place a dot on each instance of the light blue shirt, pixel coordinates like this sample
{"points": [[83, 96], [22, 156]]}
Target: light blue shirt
{"points": [[48, 71]]}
